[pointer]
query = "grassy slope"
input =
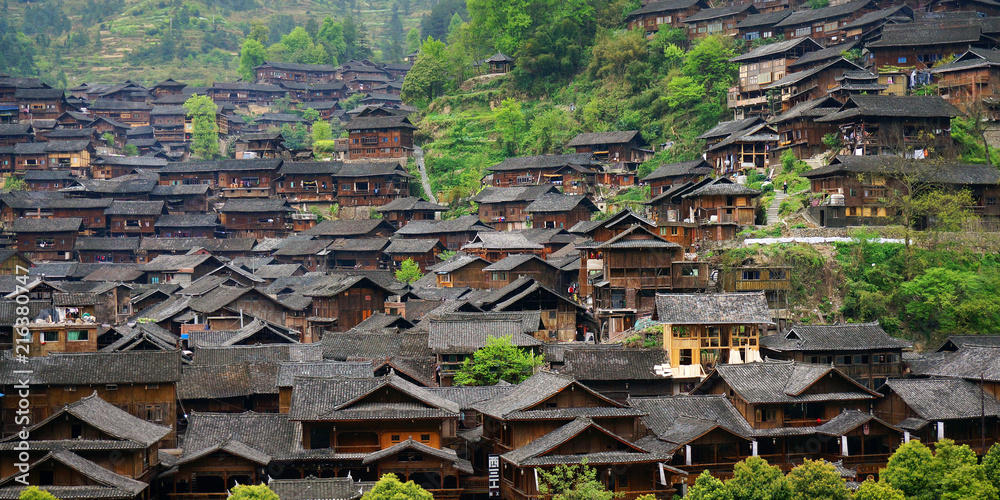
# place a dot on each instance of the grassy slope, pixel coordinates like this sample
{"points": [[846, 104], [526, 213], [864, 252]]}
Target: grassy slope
{"points": [[128, 29]]}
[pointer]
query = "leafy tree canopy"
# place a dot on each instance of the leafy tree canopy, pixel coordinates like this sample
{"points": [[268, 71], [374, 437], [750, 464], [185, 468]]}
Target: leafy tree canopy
{"points": [[252, 492], [389, 487], [498, 360]]}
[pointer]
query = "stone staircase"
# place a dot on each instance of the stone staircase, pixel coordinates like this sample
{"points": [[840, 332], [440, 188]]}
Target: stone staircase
{"points": [[773, 215]]}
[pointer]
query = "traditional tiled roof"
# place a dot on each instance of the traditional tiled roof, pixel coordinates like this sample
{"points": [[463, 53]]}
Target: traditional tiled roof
{"points": [[972, 59], [287, 371], [613, 364], [346, 228], [361, 345], [380, 122], [250, 205], [543, 161], [724, 11], [912, 106], [597, 138], [536, 452], [23, 225], [624, 240], [134, 208], [227, 381], [694, 167], [465, 223], [512, 194], [138, 367], [922, 171], [466, 396], [113, 105], [662, 6], [297, 67], [409, 444], [310, 167], [763, 19], [943, 399], [502, 240], [109, 485], [512, 261], [176, 263], [357, 245], [879, 15], [713, 308], [412, 246], [557, 202], [187, 220], [814, 108], [783, 382], [262, 435], [838, 337], [222, 165], [466, 336], [411, 203], [773, 49], [109, 244], [351, 399], [313, 488], [517, 403], [972, 362], [723, 129], [272, 353], [909, 34], [664, 413], [807, 16]]}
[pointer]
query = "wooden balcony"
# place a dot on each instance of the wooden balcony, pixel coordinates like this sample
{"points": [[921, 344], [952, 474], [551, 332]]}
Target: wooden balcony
{"points": [[246, 192], [758, 285], [642, 282]]}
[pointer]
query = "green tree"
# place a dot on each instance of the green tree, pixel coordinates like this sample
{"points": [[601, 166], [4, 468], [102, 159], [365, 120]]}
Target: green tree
{"points": [[871, 490], [755, 479], [310, 115], [816, 480], [252, 54], [511, 125], [991, 464], [33, 493], [395, 35], [390, 488], [201, 110], [321, 131], [498, 360], [708, 487], [683, 91], [331, 36], [908, 470], [408, 271], [427, 79], [109, 139], [412, 40], [573, 482], [131, 150], [252, 492], [708, 62]]}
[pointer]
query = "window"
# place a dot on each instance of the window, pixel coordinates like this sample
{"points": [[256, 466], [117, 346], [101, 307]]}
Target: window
{"points": [[686, 357], [425, 438], [681, 332], [154, 413], [111, 387], [77, 335], [50, 336], [394, 438], [751, 275], [901, 60], [689, 271], [830, 26], [806, 31]]}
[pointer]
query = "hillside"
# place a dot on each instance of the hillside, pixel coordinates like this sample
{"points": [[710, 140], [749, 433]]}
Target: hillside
{"points": [[198, 42]]}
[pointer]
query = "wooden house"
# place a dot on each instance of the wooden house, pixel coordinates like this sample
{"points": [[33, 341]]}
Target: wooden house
{"points": [[869, 26], [773, 280], [461, 271], [879, 124], [574, 173], [813, 83], [344, 301], [507, 270], [970, 79], [47, 180], [310, 254], [424, 252], [356, 253], [255, 217], [68, 452], [124, 91], [361, 228], [15, 133], [554, 210], [47, 239], [167, 87], [862, 351], [325, 92], [980, 7], [615, 371], [702, 331], [761, 26], [627, 148], [247, 178], [308, 181], [758, 69], [454, 338], [40, 103], [503, 207], [190, 173], [962, 416], [825, 25], [453, 233], [562, 318], [551, 420], [859, 190], [179, 269], [921, 45], [243, 94], [636, 264], [128, 112], [495, 245], [718, 20], [261, 145], [279, 72], [718, 207], [401, 211], [380, 134], [133, 218], [182, 198], [186, 225], [141, 383], [109, 167], [669, 13], [668, 174], [371, 183], [739, 145], [13, 262], [168, 123], [121, 250], [798, 130]]}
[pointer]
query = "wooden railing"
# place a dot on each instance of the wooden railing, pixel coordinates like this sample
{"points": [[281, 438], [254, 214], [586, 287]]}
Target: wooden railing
{"points": [[755, 285]]}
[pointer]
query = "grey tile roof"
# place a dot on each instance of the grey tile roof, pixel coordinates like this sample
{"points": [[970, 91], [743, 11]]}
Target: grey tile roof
{"points": [[764, 19], [409, 444], [943, 399], [287, 371], [313, 488], [637, 237], [23, 225], [597, 138], [134, 208], [379, 320], [879, 15], [837, 337], [807, 16], [719, 12], [557, 202], [518, 402], [466, 396], [138, 367], [493, 194], [347, 228], [513, 261], [250, 205], [465, 223], [373, 346], [269, 434], [913, 106], [712, 308], [457, 262], [380, 122], [613, 364], [663, 413], [357, 245], [109, 485], [175, 263], [355, 399], [466, 336], [774, 49], [222, 165], [401, 246], [971, 362], [94, 243], [501, 240], [907, 34], [273, 353], [783, 382], [227, 381], [411, 203], [187, 220], [536, 452], [925, 171], [543, 162], [310, 167], [272, 271], [369, 168]]}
